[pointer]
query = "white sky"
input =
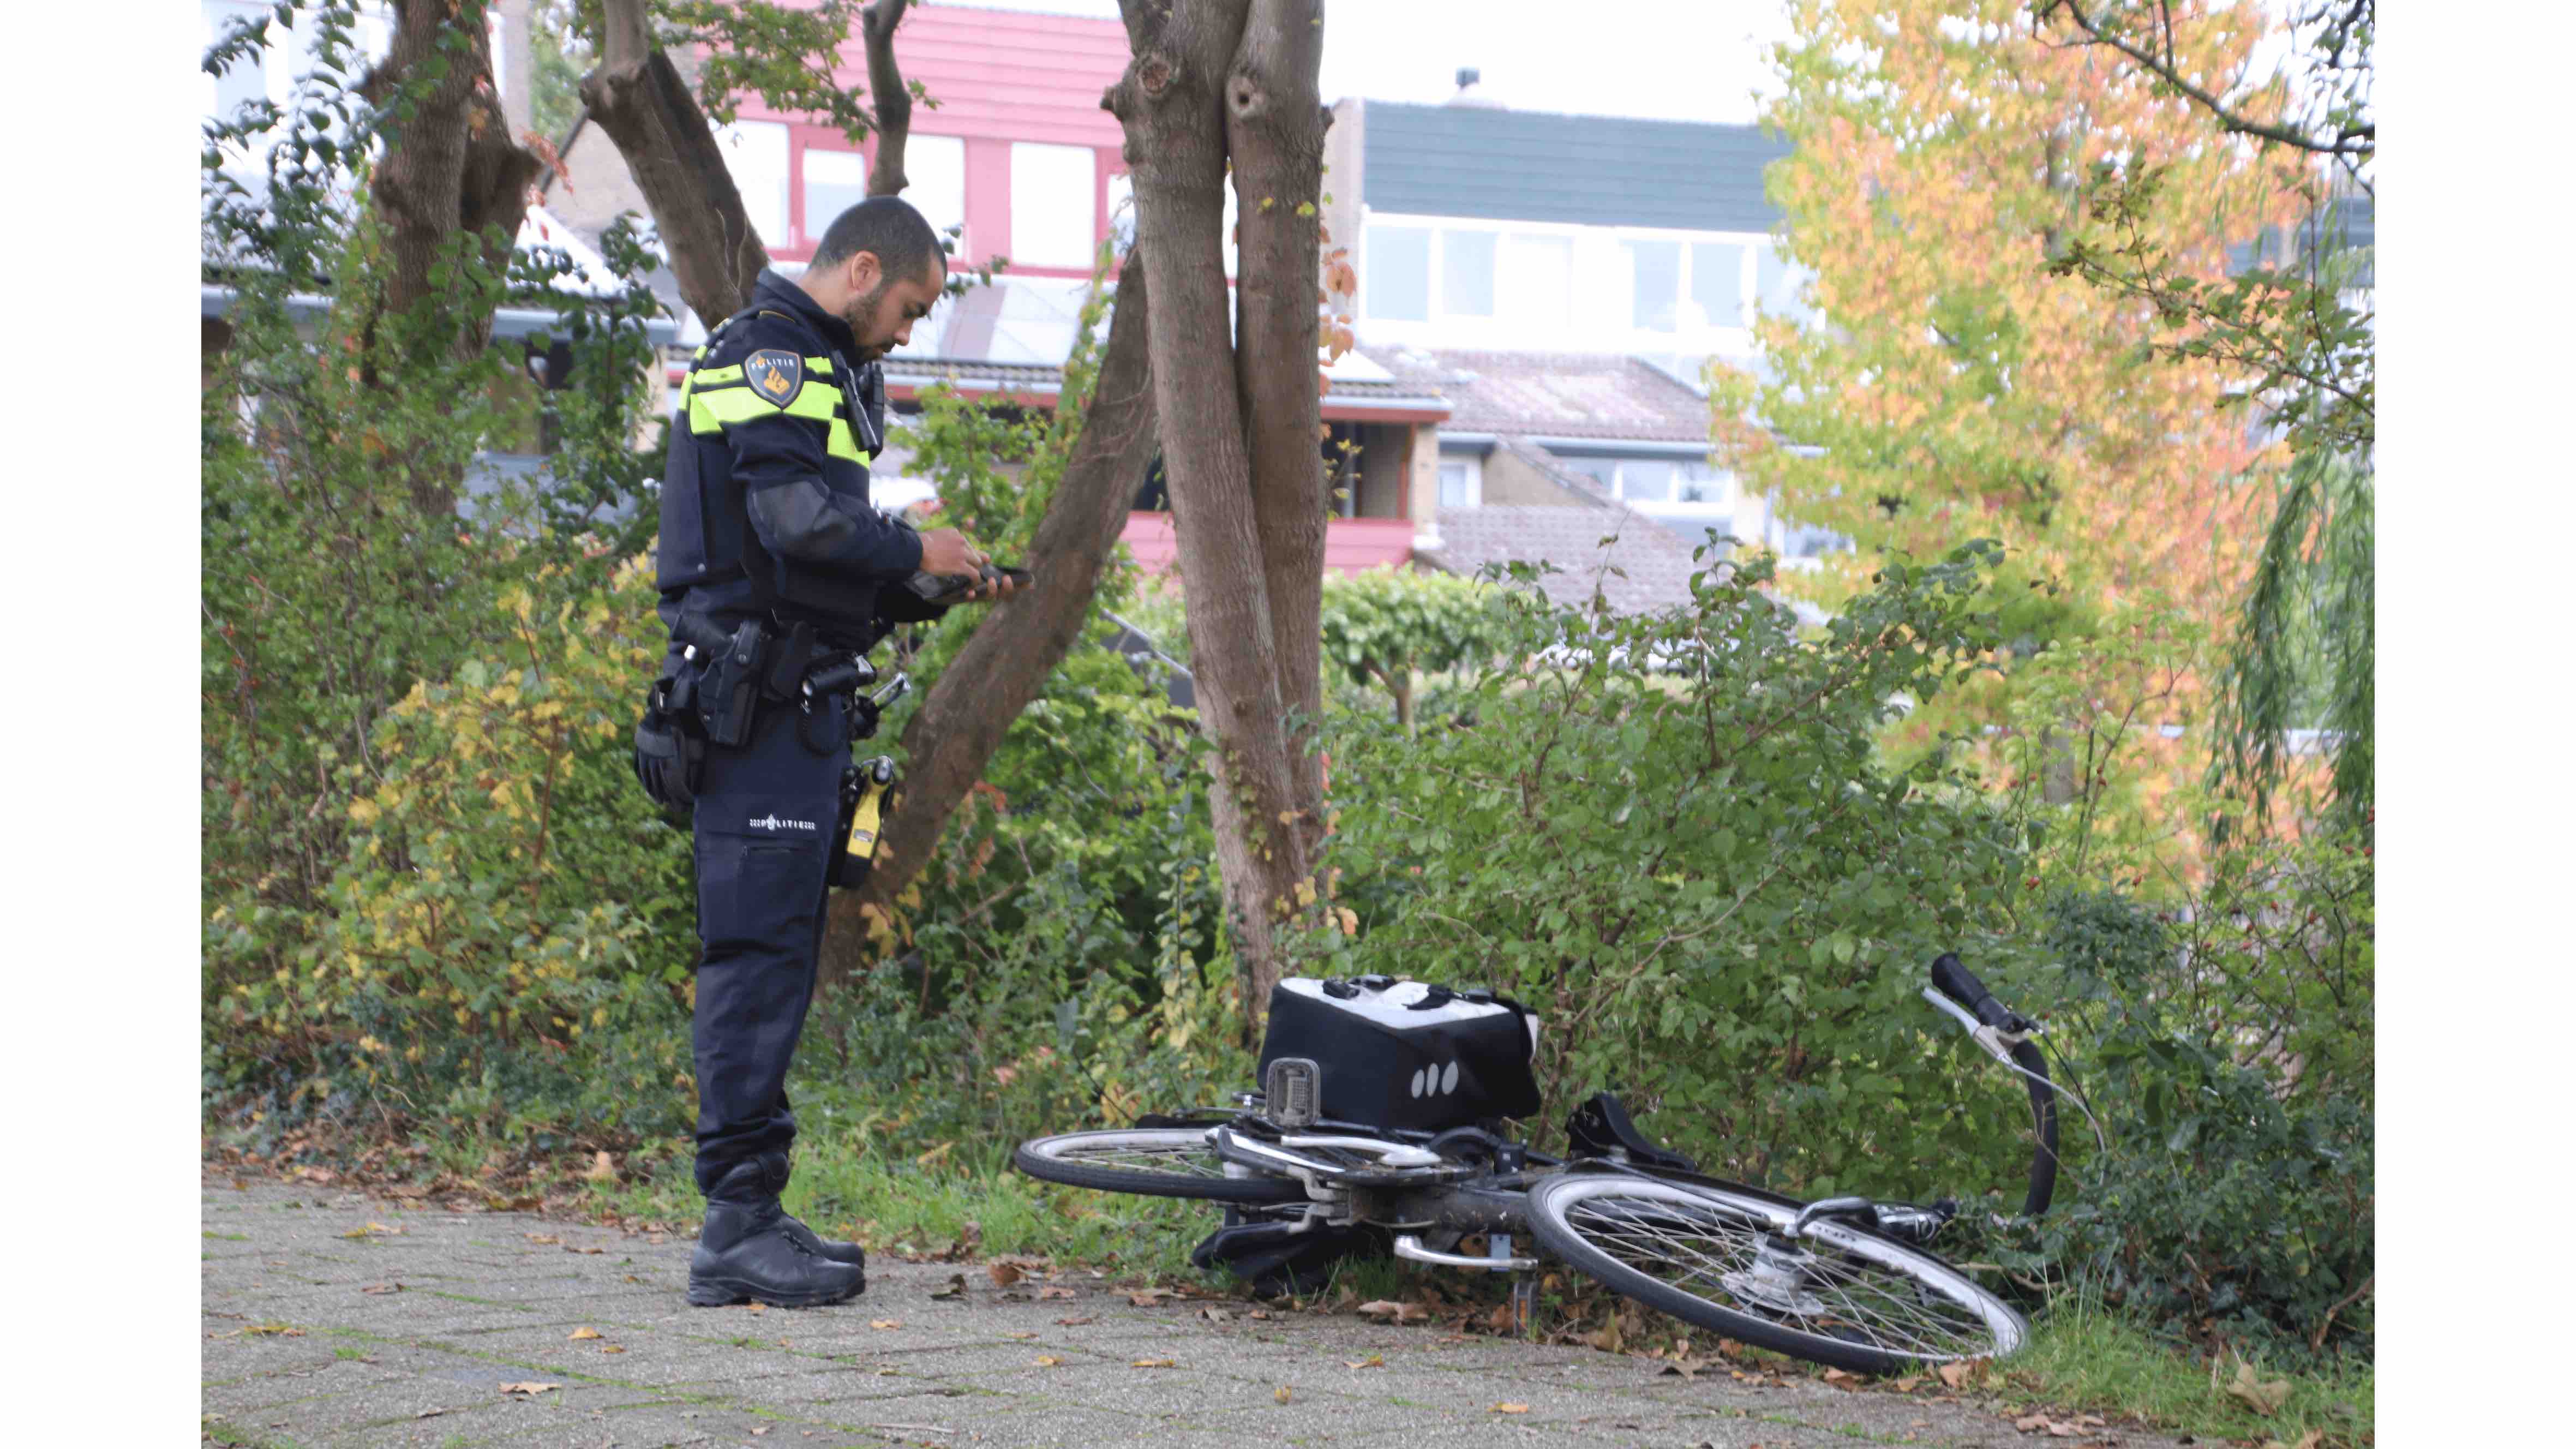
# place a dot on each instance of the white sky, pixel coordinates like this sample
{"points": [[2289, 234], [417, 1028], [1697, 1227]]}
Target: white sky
{"points": [[1674, 60]]}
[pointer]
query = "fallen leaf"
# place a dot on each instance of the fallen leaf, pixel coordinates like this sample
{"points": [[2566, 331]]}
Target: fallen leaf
{"points": [[569, 1248], [1511, 1408], [956, 1287], [1048, 1360], [1961, 1373], [1003, 1274], [1152, 1363], [612, 1348], [278, 1330], [1216, 1315], [1395, 1312], [382, 1288], [429, 1413], [580, 1333], [763, 1429], [531, 1389], [2255, 1393], [1681, 1369], [603, 1168], [1019, 1335], [371, 1230], [1148, 1298], [1375, 1360], [1837, 1376], [1076, 1322], [541, 1237], [2031, 1423], [1280, 1393], [1053, 1292], [885, 1323], [1256, 1313]]}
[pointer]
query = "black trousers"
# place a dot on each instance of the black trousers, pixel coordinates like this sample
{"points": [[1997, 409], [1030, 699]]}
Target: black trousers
{"points": [[764, 837]]}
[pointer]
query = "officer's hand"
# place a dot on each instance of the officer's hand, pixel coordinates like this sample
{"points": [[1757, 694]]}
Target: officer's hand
{"points": [[946, 551]]}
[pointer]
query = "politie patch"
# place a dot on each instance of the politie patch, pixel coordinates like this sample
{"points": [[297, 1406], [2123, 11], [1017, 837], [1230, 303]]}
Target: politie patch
{"points": [[774, 374]]}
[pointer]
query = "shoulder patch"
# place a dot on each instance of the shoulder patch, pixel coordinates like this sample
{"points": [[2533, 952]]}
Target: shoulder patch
{"points": [[775, 374]]}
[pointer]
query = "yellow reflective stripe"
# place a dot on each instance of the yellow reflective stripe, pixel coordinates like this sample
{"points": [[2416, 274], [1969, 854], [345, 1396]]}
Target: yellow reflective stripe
{"points": [[842, 444], [816, 400], [819, 366], [710, 376], [722, 406]]}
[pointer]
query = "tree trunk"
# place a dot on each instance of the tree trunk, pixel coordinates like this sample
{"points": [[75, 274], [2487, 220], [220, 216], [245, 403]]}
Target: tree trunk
{"points": [[451, 167], [893, 103], [637, 96], [1174, 103], [1274, 128], [962, 720]]}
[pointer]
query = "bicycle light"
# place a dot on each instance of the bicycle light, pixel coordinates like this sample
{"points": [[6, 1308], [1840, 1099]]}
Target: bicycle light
{"points": [[1291, 1092]]}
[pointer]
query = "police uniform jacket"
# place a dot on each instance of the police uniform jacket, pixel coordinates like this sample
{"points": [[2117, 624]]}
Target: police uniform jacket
{"points": [[765, 504]]}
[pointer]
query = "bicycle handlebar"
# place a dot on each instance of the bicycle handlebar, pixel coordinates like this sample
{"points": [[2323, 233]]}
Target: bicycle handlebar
{"points": [[1961, 985]]}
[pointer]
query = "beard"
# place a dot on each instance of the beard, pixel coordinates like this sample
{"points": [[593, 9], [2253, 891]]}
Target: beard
{"points": [[863, 312]]}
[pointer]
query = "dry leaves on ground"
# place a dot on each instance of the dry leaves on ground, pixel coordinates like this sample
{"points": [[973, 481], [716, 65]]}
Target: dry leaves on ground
{"points": [[603, 1167], [885, 1323], [2256, 1393], [1963, 1372], [582, 1333], [1048, 1360], [1393, 1312], [1511, 1408], [1077, 1321], [2076, 1427], [1281, 1393], [530, 1389], [1051, 1291], [956, 1287], [2308, 1440], [371, 1230], [1152, 1363], [1148, 1297], [381, 1289], [1375, 1360]]}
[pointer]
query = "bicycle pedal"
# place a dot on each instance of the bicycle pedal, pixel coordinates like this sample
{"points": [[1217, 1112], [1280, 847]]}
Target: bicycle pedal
{"points": [[1292, 1092]]}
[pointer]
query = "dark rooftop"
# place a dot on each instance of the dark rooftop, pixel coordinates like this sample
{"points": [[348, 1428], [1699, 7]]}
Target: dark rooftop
{"points": [[1553, 394], [1584, 170]]}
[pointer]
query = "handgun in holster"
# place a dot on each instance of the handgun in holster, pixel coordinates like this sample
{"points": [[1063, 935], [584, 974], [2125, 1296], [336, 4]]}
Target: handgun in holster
{"points": [[863, 792], [731, 673]]}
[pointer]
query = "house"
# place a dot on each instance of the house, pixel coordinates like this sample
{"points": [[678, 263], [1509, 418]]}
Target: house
{"points": [[1562, 280], [1019, 158]]}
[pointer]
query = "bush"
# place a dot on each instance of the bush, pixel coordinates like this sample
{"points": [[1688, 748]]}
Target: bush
{"points": [[1716, 894], [1384, 625]]}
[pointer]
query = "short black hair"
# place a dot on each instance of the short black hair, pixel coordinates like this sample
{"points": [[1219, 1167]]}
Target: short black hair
{"points": [[888, 226]]}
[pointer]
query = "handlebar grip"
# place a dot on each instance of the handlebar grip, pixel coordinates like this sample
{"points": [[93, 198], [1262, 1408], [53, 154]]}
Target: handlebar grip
{"points": [[1961, 985]]}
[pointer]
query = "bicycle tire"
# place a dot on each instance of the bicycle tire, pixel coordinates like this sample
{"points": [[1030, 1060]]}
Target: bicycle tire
{"points": [[1580, 1217], [1094, 1160]]}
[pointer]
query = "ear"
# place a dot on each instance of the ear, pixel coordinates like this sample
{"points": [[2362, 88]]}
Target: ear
{"points": [[863, 274]]}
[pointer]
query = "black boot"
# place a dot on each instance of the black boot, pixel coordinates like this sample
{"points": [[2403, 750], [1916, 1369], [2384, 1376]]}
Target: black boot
{"points": [[823, 1247], [748, 1252]]}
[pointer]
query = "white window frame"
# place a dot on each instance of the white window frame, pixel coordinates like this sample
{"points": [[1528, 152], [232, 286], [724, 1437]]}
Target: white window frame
{"points": [[1033, 194], [1598, 319], [1475, 470]]}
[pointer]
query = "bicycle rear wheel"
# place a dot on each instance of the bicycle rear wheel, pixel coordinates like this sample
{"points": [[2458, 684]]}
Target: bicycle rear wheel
{"points": [[1152, 1161], [1715, 1259]]}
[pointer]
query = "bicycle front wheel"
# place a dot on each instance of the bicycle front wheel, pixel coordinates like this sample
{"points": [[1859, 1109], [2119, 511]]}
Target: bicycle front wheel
{"points": [[1152, 1161], [1716, 1259]]}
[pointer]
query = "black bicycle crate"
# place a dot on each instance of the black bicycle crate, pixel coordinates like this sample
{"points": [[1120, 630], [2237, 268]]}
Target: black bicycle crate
{"points": [[1407, 1054]]}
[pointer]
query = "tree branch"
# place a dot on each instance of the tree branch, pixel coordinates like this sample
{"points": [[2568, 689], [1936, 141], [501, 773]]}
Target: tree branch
{"points": [[2229, 119], [893, 103]]}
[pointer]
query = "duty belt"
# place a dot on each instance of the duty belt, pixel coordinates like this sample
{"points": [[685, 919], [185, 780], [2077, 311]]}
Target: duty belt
{"points": [[739, 670]]}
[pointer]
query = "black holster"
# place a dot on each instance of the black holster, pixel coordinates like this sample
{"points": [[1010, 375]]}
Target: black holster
{"points": [[669, 755]]}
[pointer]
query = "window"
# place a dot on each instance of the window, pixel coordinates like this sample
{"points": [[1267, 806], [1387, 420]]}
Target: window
{"points": [[1701, 483], [1052, 224], [1399, 274], [934, 169], [1657, 268], [1777, 284], [1717, 282], [1604, 471], [1646, 480], [1122, 209], [1536, 276], [1461, 482], [1467, 273], [755, 152], [835, 181], [247, 78]]}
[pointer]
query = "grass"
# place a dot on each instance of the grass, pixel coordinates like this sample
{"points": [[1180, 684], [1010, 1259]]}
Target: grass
{"points": [[2086, 1358]]}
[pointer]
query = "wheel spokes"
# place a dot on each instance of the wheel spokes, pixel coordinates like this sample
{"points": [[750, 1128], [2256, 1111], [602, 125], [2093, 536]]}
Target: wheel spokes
{"points": [[1828, 1289]]}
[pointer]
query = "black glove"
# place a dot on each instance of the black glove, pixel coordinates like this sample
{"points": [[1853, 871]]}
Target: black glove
{"points": [[667, 760]]}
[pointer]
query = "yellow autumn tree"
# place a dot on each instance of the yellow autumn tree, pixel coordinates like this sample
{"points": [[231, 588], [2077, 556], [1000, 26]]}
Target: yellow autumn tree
{"points": [[1937, 384]]}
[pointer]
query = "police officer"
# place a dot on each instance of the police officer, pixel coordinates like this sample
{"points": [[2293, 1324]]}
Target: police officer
{"points": [[766, 523]]}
